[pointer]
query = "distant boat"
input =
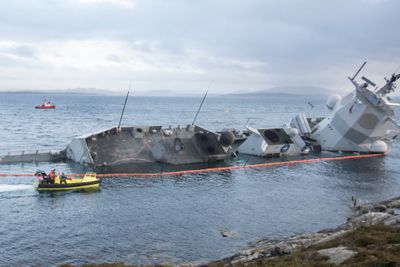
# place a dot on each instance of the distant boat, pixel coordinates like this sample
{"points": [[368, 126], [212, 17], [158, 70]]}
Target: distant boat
{"points": [[46, 105]]}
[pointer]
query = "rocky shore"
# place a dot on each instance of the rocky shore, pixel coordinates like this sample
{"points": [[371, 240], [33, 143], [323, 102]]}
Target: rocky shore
{"points": [[369, 223]]}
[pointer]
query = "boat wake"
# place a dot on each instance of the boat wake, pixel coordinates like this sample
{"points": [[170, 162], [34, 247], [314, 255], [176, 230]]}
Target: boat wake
{"points": [[14, 187]]}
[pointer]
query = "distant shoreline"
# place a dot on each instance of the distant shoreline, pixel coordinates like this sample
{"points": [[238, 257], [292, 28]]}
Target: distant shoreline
{"points": [[233, 95], [284, 91], [56, 93]]}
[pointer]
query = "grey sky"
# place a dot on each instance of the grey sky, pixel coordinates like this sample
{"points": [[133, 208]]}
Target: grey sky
{"points": [[184, 45]]}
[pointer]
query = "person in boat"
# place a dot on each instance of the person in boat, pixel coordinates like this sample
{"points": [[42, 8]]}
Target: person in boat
{"points": [[52, 176], [63, 178]]}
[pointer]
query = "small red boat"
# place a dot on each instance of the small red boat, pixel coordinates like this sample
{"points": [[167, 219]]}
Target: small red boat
{"points": [[46, 105]]}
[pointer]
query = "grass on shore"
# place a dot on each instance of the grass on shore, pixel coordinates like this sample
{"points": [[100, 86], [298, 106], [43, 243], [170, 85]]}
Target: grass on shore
{"points": [[377, 245]]}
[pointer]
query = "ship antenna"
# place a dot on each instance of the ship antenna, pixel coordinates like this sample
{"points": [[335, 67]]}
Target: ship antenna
{"points": [[202, 101], [397, 70], [123, 109], [355, 75]]}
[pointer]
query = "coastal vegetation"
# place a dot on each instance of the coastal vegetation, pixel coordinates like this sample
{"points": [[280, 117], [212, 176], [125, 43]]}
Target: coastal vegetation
{"points": [[376, 245], [371, 237]]}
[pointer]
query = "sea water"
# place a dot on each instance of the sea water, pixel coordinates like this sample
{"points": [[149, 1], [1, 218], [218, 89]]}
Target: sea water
{"points": [[176, 219]]}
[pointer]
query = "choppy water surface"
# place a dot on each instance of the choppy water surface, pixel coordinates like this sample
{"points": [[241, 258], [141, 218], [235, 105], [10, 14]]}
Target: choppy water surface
{"points": [[172, 219]]}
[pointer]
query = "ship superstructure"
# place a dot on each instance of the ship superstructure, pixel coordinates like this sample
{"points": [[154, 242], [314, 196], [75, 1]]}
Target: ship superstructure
{"points": [[360, 121]]}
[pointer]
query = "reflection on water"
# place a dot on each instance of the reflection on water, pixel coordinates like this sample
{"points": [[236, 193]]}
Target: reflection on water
{"points": [[158, 167], [14, 187], [240, 160], [172, 219]]}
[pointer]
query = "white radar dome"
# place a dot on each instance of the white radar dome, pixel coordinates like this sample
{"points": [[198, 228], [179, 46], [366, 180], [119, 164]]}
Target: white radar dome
{"points": [[332, 101], [292, 132], [379, 146]]}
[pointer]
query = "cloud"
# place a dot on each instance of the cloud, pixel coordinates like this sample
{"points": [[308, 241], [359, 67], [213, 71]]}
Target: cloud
{"points": [[14, 49], [125, 3], [240, 45], [110, 64]]}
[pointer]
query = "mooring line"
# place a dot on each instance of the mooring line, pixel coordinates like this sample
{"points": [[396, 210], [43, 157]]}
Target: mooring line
{"points": [[217, 169]]}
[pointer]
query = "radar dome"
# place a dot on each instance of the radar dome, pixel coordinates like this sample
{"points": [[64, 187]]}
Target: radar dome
{"points": [[379, 146], [292, 132], [332, 101]]}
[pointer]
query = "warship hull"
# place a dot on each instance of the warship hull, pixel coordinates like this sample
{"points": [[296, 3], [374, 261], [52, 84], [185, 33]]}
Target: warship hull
{"points": [[151, 144]]}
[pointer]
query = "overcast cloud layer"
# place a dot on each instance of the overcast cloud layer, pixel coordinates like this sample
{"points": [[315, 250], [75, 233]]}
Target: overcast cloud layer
{"points": [[183, 45]]}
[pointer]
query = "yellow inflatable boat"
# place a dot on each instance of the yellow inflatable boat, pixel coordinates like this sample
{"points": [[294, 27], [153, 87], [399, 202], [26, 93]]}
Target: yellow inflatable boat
{"points": [[89, 181]]}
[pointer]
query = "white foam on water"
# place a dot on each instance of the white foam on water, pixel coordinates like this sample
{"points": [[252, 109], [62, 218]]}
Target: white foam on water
{"points": [[14, 187]]}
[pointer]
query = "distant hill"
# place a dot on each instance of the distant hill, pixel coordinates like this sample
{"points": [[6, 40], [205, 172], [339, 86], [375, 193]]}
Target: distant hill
{"points": [[301, 90], [169, 93], [275, 91], [94, 91], [288, 91], [75, 91]]}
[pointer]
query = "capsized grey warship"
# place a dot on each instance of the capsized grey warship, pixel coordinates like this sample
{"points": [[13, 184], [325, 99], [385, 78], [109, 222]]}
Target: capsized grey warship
{"points": [[151, 144]]}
